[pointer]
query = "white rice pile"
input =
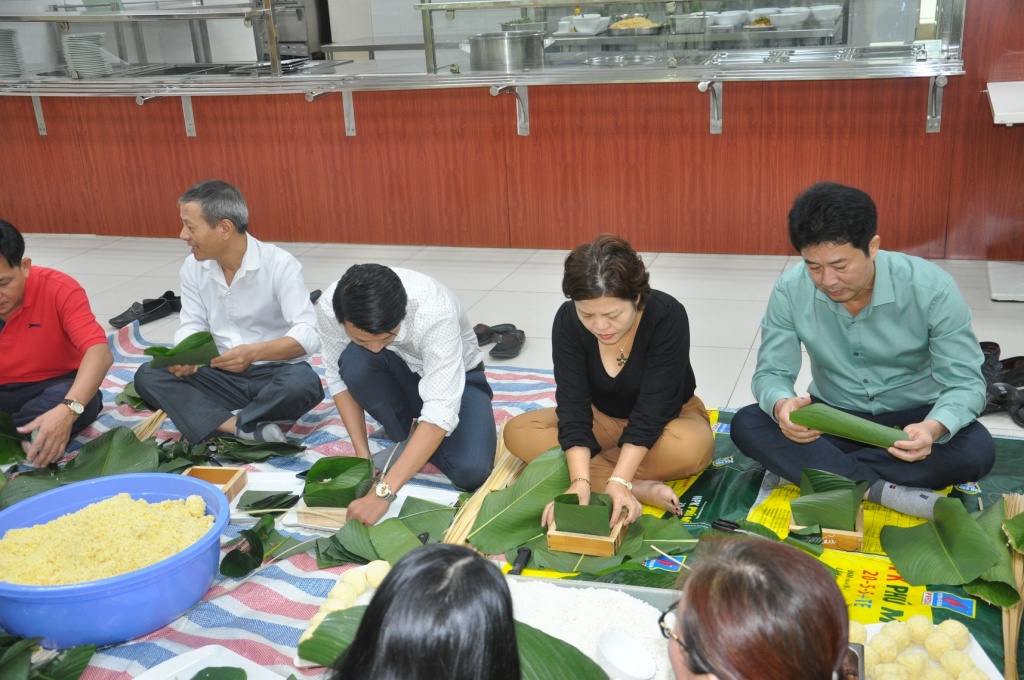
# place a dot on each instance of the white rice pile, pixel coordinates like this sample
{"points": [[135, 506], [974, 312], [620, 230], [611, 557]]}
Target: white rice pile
{"points": [[580, 615]]}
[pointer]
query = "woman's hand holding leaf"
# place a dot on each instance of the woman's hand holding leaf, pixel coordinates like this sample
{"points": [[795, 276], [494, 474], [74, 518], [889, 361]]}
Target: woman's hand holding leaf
{"points": [[580, 488]]}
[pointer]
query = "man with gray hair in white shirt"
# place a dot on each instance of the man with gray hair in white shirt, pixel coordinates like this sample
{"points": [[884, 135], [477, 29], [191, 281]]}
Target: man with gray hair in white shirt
{"points": [[252, 299], [398, 345]]}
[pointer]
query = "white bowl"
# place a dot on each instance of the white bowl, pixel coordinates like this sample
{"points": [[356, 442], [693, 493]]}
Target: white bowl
{"points": [[605, 22], [764, 10], [591, 16], [701, 14], [786, 19], [623, 656], [826, 12], [804, 12], [735, 17], [587, 25], [754, 16]]}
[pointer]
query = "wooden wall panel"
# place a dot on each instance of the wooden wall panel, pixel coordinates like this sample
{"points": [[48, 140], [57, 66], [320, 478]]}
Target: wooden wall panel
{"points": [[865, 133], [986, 198], [636, 160]]}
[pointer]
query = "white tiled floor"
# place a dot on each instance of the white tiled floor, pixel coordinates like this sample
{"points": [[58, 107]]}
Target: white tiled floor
{"points": [[725, 295]]}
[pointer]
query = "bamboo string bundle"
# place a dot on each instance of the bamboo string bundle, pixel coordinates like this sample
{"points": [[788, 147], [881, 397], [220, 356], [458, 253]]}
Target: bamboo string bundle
{"points": [[148, 427], [1012, 615], [506, 469]]}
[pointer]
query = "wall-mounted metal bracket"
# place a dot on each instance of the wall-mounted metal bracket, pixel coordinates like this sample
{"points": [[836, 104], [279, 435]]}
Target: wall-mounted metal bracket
{"points": [[37, 107], [522, 105], [347, 106], [935, 86], [715, 87], [190, 121]]}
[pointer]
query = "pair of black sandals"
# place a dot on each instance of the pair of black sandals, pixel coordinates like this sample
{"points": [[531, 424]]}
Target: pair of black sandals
{"points": [[508, 339], [1004, 379]]}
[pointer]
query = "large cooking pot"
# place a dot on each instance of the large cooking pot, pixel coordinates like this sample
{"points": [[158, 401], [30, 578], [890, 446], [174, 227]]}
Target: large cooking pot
{"points": [[506, 51]]}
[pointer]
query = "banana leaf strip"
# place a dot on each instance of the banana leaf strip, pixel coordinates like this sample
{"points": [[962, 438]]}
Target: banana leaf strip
{"points": [[819, 481], [10, 441], [354, 537], [1014, 529], [510, 517], [634, 574], [330, 553], [813, 549], [997, 585], [253, 452], [266, 500], [195, 350], [115, 452], [951, 550], [836, 509], [129, 396], [668, 534], [246, 557], [334, 482], [592, 519], [423, 516], [392, 540], [824, 418], [25, 486], [221, 673], [541, 656]]}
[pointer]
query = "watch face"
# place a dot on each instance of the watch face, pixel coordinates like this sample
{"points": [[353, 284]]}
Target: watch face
{"points": [[383, 489], [75, 407]]}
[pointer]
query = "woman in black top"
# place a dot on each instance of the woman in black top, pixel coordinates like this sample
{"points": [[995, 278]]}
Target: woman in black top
{"points": [[627, 416]]}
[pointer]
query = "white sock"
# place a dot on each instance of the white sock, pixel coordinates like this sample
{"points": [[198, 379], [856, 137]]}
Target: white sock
{"points": [[263, 432], [906, 499]]}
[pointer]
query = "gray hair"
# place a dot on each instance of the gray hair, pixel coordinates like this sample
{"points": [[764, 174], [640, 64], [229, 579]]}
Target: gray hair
{"points": [[218, 201]]}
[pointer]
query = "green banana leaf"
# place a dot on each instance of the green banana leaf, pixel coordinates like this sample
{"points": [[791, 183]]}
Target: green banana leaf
{"points": [[997, 585], [16, 660], [129, 396], [1014, 529], [221, 673], [592, 519], [634, 574], [824, 418], [632, 544], [951, 550], [25, 486], [827, 500], [355, 538], [10, 441], [423, 516], [257, 544], [668, 534], [392, 540], [541, 656], [819, 481], [266, 500], [334, 482], [330, 553], [252, 452], [813, 549], [116, 451], [195, 350], [69, 664], [510, 517]]}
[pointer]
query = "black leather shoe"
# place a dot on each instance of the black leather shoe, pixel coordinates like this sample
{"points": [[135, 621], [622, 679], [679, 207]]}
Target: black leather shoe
{"points": [[315, 295], [173, 300], [143, 312]]}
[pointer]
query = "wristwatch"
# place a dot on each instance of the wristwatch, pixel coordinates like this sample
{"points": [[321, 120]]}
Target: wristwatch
{"points": [[383, 490], [74, 406], [624, 482]]}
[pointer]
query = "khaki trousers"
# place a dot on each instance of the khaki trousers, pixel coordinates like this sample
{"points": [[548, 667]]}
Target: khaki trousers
{"points": [[684, 448]]}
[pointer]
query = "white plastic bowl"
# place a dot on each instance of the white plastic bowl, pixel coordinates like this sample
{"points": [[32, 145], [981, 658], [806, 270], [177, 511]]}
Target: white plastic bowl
{"points": [[786, 19], [734, 17], [804, 12], [761, 11], [701, 14], [826, 13], [589, 25], [623, 656]]}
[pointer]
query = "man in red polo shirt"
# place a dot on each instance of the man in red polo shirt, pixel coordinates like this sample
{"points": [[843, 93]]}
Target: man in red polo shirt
{"points": [[53, 353]]}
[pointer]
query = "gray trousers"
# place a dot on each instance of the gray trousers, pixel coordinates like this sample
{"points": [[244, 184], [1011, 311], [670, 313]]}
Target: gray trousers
{"points": [[199, 403]]}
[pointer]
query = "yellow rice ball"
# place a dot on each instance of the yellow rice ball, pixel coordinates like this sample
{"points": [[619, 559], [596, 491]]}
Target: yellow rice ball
{"points": [[919, 627], [885, 646], [914, 662], [889, 671], [354, 579], [376, 571], [956, 630], [972, 673], [870, 658], [858, 633], [343, 594], [937, 644], [955, 662], [897, 630], [936, 673]]}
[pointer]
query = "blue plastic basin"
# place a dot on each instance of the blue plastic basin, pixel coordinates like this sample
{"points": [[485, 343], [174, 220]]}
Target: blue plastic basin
{"points": [[119, 608]]}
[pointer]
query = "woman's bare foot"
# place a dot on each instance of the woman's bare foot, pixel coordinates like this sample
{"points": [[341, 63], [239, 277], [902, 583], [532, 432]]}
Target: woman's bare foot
{"points": [[656, 494]]}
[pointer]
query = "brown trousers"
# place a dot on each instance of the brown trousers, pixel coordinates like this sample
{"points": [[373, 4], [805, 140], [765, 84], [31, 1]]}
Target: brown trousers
{"points": [[683, 450]]}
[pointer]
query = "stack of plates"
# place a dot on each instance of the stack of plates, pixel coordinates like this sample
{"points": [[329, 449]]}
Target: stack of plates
{"points": [[11, 59], [84, 54]]}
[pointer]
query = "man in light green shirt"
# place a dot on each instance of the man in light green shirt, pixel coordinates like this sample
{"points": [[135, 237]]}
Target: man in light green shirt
{"points": [[889, 339]]}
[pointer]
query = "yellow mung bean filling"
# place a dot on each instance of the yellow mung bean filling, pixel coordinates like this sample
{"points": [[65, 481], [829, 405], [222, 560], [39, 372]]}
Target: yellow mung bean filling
{"points": [[105, 539]]}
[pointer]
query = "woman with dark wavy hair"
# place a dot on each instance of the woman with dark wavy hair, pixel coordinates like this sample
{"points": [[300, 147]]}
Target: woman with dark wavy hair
{"points": [[627, 416], [756, 609], [442, 612]]}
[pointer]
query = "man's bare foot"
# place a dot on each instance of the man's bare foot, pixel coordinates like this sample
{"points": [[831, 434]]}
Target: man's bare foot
{"points": [[656, 494]]}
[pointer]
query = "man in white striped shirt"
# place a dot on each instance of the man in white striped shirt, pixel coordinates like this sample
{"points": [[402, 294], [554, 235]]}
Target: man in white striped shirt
{"points": [[397, 344]]}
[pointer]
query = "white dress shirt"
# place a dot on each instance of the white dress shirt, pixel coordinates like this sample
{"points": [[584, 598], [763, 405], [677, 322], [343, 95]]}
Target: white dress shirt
{"points": [[434, 339], [267, 300]]}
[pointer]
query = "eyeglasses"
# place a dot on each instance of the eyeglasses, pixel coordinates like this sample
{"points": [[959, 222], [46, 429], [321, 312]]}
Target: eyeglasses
{"points": [[694, 660]]}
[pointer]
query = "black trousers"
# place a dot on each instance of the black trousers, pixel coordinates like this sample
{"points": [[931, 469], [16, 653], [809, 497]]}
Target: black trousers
{"points": [[27, 401], [200, 402], [967, 457]]}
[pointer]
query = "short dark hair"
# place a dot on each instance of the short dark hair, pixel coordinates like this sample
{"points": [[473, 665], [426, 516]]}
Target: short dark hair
{"points": [[756, 608], [833, 213], [371, 297], [442, 612], [219, 201], [606, 267], [12, 244]]}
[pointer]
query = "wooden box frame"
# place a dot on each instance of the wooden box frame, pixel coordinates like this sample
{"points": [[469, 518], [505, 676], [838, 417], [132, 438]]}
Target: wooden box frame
{"points": [[837, 539], [231, 480], [335, 520], [587, 544]]}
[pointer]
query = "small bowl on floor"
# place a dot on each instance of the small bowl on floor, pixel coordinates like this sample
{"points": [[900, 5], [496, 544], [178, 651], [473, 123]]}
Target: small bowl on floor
{"points": [[623, 656]]}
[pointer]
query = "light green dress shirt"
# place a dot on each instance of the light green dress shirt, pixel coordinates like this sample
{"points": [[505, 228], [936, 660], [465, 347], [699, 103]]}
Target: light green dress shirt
{"points": [[912, 345]]}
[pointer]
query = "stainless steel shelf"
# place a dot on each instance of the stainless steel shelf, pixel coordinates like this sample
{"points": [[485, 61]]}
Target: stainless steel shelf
{"points": [[197, 14]]}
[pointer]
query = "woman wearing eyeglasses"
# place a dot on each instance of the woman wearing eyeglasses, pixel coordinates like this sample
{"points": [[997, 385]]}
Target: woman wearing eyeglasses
{"points": [[756, 609]]}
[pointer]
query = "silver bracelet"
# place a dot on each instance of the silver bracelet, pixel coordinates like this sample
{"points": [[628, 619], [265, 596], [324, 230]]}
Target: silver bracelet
{"points": [[623, 482]]}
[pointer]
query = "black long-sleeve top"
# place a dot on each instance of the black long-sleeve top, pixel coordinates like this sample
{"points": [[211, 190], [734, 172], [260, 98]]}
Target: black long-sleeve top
{"points": [[649, 391]]}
